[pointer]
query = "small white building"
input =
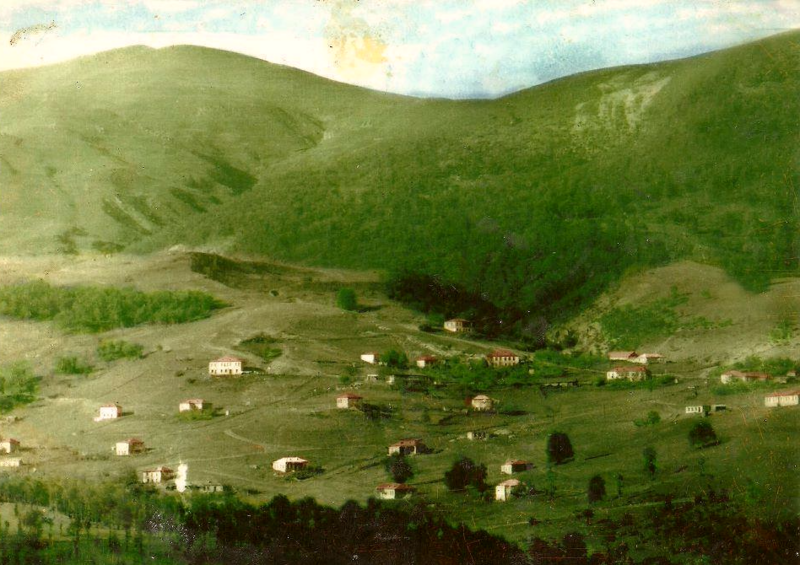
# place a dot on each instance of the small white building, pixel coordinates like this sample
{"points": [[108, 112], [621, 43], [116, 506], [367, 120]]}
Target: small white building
{"points": [[426, 361], [225, 366], [289, 464], [790, 398], [502, 358], [11, 462], [458, 325], [407, 447], [9, 445], [632, 373], [394, 491], [129, 446], [645, 358], [701, 410], [622, 355], [348, 400], [477, 436], [505, 490], [191, 404], [515, 466], [481, 403], [371, 357], [744, 377], [109, 412], [158, 475]]}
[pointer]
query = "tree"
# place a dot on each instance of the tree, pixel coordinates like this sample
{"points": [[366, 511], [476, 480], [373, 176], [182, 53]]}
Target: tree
{"points": [[394, 358], [702, 434], [465, 472], [399, 468], [346, 299], [559, 448], [597, 489], [619, 480], [649, 454]]}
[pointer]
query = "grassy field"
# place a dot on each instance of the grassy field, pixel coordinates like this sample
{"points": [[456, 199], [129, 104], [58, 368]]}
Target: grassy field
{"points": [[538, 200], [289, 409]]}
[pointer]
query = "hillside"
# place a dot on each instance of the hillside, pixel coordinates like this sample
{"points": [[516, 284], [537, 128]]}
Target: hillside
{"points": [[537, 200], [289, 409]]}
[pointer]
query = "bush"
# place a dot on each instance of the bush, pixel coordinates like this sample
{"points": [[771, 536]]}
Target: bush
{"points": [[113, 350], [395, 359], [399, 468], [559, 448], [649, 455], [652, 419], [465, 473], [702, 434], [18, 385], [346, 299], [72, 365], [597, 489]]}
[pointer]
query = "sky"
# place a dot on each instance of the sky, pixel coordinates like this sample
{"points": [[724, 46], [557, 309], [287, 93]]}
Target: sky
{"points": [[447, 48]]}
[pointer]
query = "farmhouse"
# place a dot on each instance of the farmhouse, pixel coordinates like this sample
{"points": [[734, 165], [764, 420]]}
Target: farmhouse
{"points": [[645, 358], [505, 490], [11, 462], [502, 358], [129, 446], [225, 366], [477, 435], [631, 373], [407, 447], [393, 491], [348, 400], [371, 357], [458, 325], [190, 404], [622, 355], [109, 412], [9, 445], [515, 466], [702, 410], [481, 403], [790, 398], [425, 361], [743, 376], [157, 475], [289, 464]]}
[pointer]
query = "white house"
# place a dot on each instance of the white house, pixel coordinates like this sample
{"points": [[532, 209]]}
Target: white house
{"points": [[371, 357], [692, 410], [393, 491], [790, 398], [157, 475], [458, 325], [622, 355], [9, 445], [743, 376], [425, 361], [129, 446], [11, 462], [348, 400], [645, 358], [481, 403], [407, 447], [190, 404], [515, 466], [225, 366], [476, 435], [502, 358], [109, 412], [506, 489], [632, 373], [289, 464]]}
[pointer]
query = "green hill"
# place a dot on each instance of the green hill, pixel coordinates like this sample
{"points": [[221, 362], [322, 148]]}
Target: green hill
{"points": [[536, 200]]}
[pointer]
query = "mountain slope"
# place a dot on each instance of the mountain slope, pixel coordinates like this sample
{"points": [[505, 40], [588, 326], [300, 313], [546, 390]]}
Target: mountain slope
{"points": [[536, 200]]}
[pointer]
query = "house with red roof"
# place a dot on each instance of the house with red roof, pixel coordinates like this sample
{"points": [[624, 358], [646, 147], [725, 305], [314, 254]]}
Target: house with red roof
{"points": [[348, 400], [426, 361], [157, 475], [789, 398], [407, 447], [191, 404], [129, 446], [744, 377], [622, 355], [502, 358], [458, 325], [9, 445], [515, 466], [109, 412], [632, 373], [393, 491], [505, 490], [225, 366]]}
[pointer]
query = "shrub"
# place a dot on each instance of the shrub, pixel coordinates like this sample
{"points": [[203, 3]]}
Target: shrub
{"points": [[18, 385], [113, 350], [597, 489], [346, 299], [399, 468], [652, 419], [702, 434], [72, 365], [465, 473], [395, 359], [559, 448], [649, 455]]}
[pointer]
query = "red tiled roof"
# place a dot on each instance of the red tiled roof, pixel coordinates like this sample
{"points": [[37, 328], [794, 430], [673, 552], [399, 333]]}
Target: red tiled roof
{"points": [[622, 354], [394, 486], [350, 395], [430, 358], [510, 483], [10, 440], [227, 359], [111, 406], [193, 401], [631, 369], [787, 393], [502, 353], [133, 440], [757, 375], [407, 442], [516, 462]]}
